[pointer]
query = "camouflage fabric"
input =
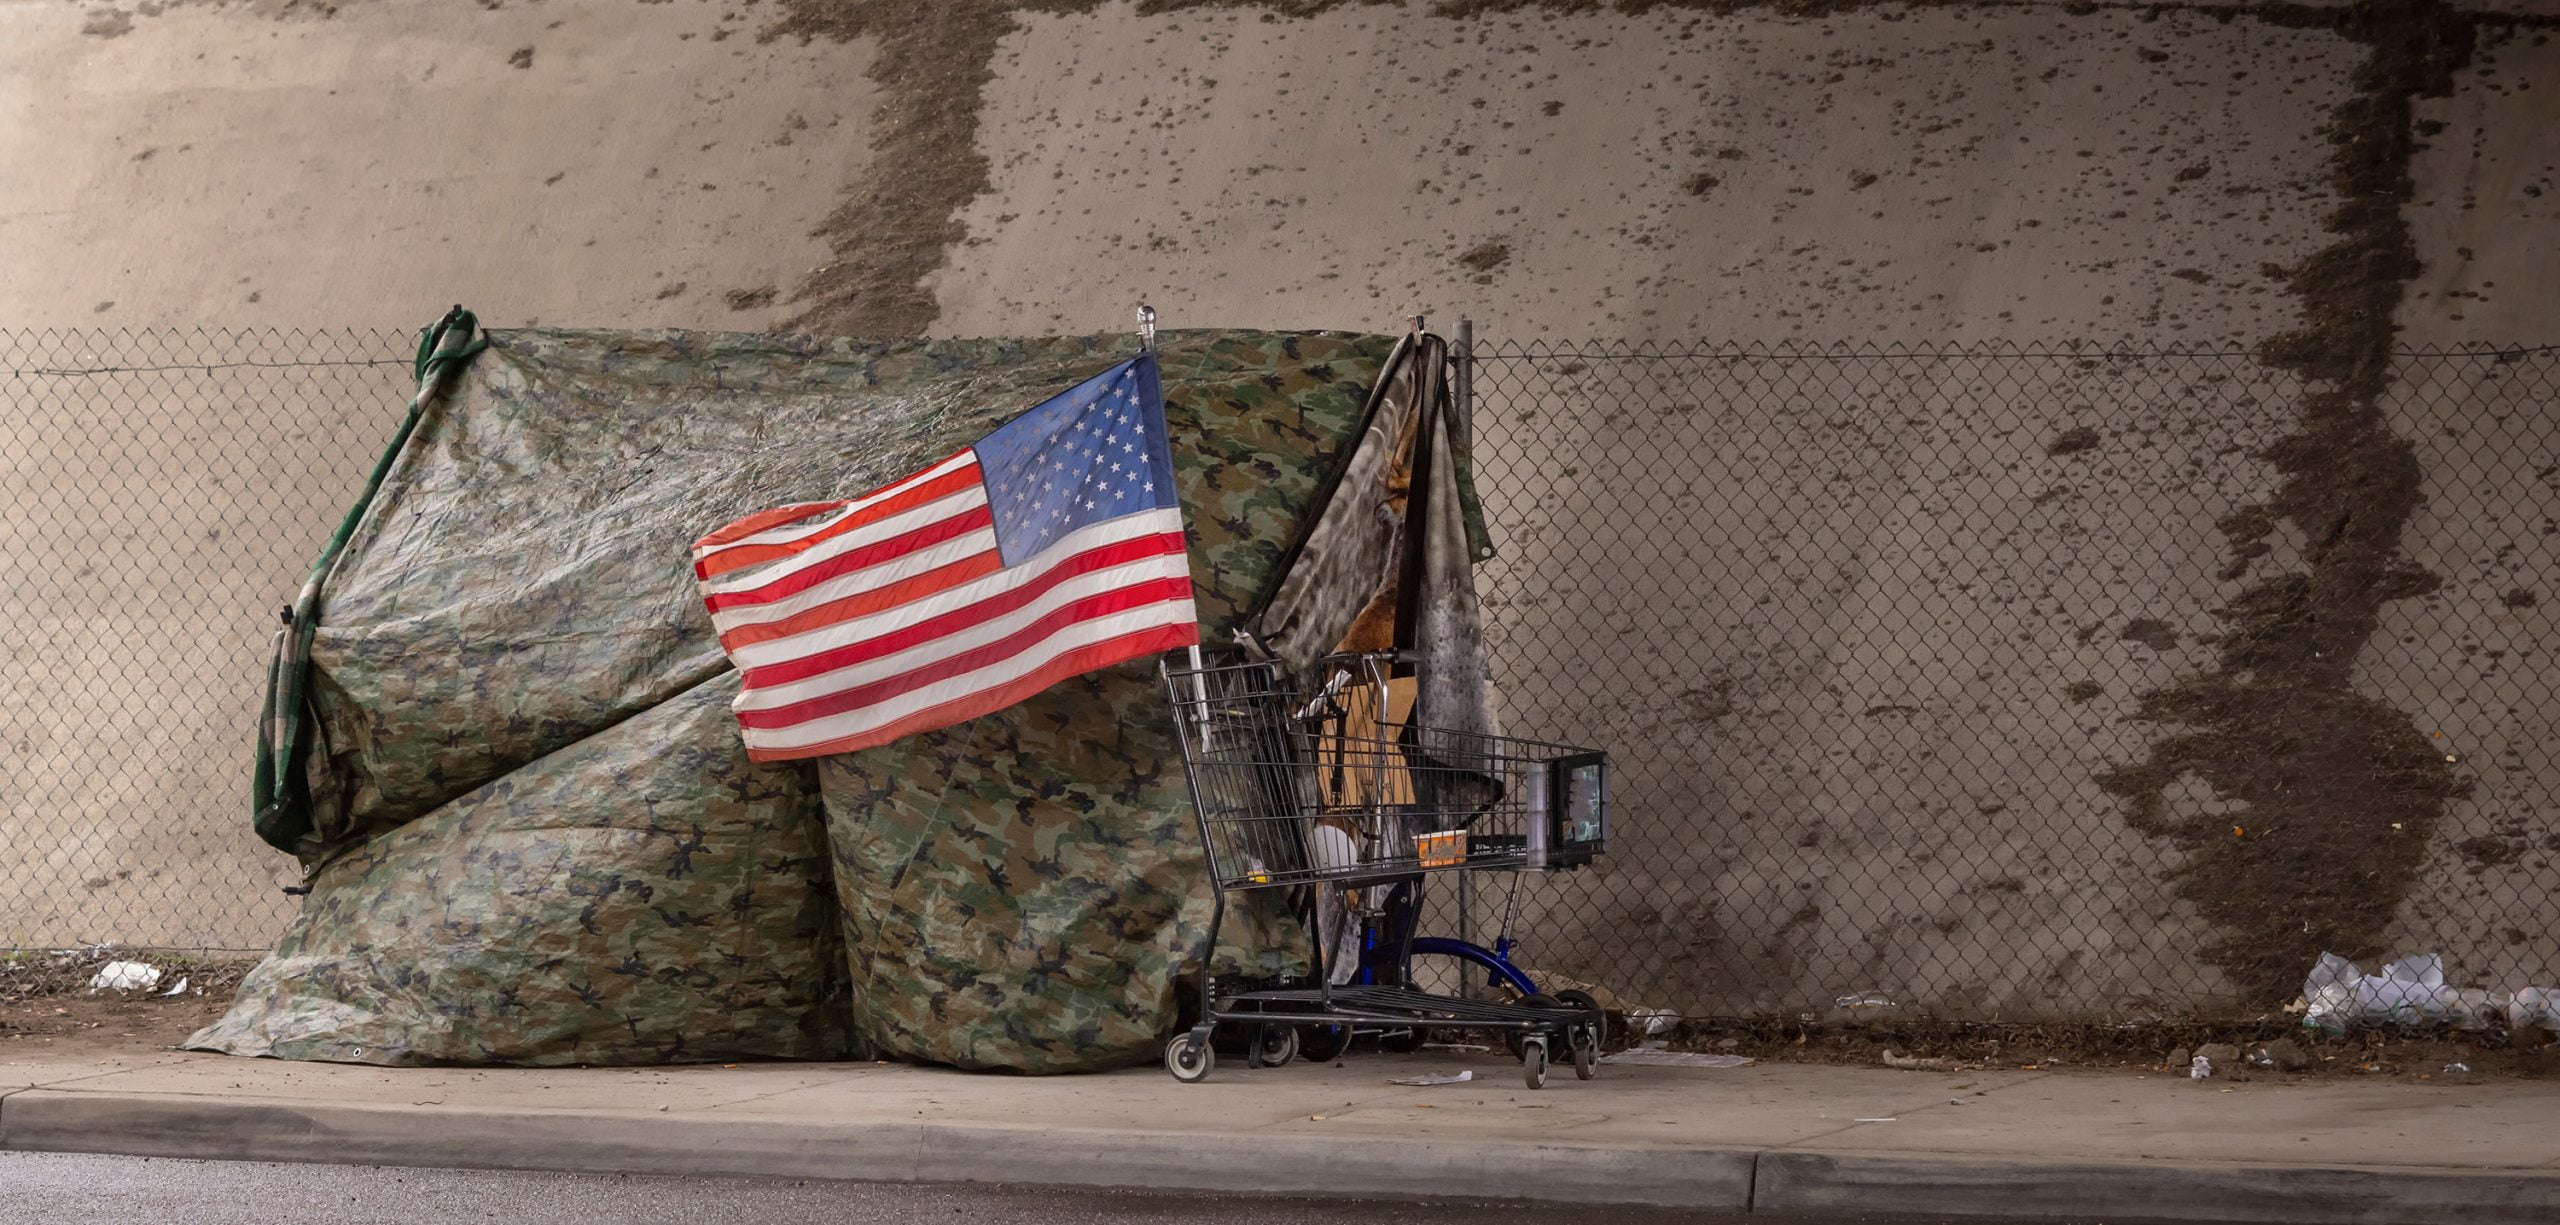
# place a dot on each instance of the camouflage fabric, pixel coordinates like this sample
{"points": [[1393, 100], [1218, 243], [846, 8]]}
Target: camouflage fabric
{"points": [[1021, 891], [646, 895], [534, 837]]}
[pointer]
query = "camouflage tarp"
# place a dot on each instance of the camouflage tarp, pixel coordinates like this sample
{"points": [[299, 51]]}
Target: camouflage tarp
{"points": [[534, 835]]}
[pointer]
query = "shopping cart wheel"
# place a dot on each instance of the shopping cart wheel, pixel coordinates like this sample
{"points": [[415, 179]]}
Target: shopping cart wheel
{"points": [[1324, 1043], [1275, 1045], [1583, 1000], [1188, 1058], [1516, 1039], [1533, 1062], [1586, 1053]]}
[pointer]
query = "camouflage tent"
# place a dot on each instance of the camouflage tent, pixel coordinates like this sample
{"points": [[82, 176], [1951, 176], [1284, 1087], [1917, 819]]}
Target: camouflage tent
{"points": [[532, 834]]}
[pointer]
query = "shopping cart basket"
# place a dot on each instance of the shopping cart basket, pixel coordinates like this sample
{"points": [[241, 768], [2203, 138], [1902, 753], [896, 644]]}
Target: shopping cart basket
{"points": [[1329, 787]]}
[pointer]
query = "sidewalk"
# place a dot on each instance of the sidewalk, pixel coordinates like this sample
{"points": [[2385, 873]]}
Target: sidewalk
{"points": [[1766, 1138]]}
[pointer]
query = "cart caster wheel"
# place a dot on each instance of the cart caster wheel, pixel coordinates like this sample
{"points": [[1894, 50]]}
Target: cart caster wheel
{"points": [[1533, 1063], [1599, 1016], [1188, 1058], [1401, 1042], [1586, 1055], [1515, 1039], [1324, 1043], [1275, 1045]]}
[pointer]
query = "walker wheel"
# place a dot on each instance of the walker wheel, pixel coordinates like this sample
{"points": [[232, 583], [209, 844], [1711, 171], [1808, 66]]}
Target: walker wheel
{"points": [[1275, 1045], [1533, 1063], [1188, 1058], [1324, 1043], [1586, 1055]]}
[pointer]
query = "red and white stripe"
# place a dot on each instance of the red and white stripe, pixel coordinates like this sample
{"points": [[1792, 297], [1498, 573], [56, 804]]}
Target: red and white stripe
{"points": [[858, 622]]}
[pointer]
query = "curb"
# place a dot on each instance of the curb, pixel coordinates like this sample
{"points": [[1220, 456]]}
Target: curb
{"points": [[147, 1125], [1814, 1184], [1725, 1180]]}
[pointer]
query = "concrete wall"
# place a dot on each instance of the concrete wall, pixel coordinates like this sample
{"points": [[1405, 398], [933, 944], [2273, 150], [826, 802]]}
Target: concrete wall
{"points": [[2474, 670], [1863, 649], [370, 164], [262, 167]]}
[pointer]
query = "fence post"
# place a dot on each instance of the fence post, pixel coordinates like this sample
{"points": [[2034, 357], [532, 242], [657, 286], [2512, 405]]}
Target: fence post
{"points": [[1465, 387]]}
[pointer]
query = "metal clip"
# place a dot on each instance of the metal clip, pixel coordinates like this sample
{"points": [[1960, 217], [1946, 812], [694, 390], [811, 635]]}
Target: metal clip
{"points": [[1146, 327]]}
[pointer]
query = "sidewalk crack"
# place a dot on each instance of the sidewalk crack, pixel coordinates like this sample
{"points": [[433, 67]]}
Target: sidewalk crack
{"points": [[73, 1080]]}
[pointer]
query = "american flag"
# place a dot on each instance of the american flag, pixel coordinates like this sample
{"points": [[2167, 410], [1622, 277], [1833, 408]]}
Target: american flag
{"points": [[1052, 547]]}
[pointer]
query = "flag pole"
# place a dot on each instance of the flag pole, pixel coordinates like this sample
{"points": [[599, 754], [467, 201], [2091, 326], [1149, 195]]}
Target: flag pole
{"points": [[1199, 669]]}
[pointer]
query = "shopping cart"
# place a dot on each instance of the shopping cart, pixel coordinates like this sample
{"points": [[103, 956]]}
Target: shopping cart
{"points": [[1330, 788]]}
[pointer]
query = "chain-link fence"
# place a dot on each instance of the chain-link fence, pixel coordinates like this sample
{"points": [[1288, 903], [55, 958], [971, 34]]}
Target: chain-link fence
{"points": [[167, 490], [2002, 683], [1957, 679]]}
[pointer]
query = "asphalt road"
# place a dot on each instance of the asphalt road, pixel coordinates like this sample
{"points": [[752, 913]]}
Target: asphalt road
{"points": [[76, 1189]]}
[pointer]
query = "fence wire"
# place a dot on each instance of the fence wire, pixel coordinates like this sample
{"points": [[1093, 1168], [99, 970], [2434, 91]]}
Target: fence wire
{"points": [[1936, 681], [166, 492], [1952, 681]]}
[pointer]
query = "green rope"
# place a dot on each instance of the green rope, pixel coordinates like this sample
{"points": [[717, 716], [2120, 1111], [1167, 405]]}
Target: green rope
{"points": [[280, 791]]}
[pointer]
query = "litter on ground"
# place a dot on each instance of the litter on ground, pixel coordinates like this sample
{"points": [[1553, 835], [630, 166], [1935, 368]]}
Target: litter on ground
{"points": [[1435, 1078], [125, 976], [1656, 1058]]}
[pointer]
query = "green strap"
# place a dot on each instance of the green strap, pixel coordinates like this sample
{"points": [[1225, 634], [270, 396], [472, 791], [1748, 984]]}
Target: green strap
{"points": [[280, 792]]}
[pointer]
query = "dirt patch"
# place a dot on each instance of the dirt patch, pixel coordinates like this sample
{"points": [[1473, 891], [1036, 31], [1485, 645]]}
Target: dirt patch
{"points": [[2343, 789], [2411, 1057], [47, 1007]]}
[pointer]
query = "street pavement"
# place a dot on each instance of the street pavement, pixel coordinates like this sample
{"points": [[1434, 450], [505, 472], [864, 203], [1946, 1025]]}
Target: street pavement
{"points": [[1819, 1141], [78, 1189]]}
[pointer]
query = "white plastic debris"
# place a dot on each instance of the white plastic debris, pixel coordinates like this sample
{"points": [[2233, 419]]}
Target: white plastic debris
{"points": [[1650, 1021], [2412, 991], [1426, 1081], [125, 976], [2534, 1008], [2456, 1069], [1652, 1057], [2199, 1068], [180, 989], [2409, 991]]}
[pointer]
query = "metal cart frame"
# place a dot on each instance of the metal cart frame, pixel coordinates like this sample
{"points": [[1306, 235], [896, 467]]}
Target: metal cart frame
{"points": [[1326, 789]]}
